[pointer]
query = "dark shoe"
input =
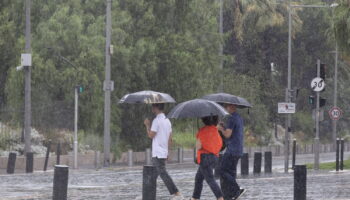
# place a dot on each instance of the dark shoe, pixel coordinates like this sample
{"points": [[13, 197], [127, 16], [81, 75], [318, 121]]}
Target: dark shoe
{"points": [[241, 192]]}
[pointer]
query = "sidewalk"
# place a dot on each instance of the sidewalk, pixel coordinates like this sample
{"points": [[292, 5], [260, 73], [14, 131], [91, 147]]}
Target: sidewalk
{"points": [[126, 183]]}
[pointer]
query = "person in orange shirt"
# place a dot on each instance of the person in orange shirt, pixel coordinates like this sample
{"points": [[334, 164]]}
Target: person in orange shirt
{"points": [[209, 144]]}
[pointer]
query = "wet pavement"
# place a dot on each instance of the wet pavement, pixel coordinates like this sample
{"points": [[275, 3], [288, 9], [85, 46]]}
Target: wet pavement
{"points": [[126, 183]]}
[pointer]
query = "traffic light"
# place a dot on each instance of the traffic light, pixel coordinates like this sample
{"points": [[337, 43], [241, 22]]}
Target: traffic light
{"points": [[322, 102], [312, 101], [80, 88], [322, 71]]}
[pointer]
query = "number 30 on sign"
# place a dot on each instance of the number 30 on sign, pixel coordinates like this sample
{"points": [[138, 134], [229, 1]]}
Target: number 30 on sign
{"points": [[317, 84], [335, 113]]}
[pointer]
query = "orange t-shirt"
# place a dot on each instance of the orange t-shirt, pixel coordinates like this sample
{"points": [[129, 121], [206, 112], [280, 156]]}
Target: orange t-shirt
{"points": [[211, 141]]}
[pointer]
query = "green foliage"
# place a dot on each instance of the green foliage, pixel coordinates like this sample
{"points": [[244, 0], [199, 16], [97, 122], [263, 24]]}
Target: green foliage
{"points": [[184, 139], [169, 46]]}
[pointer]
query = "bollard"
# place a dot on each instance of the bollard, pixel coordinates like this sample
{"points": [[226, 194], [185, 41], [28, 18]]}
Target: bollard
{"points": [[245, 164], [300, 182], [268, 162], [148, 156], [257, 163], [195, 155], [58, 153], [47, 155], [337, 155], [217, 170], [149, 183], [60, 182], [180, 155], [29, 162], [97, 160], [11, 164], [294, 152], [341, 154], [130, 159]]}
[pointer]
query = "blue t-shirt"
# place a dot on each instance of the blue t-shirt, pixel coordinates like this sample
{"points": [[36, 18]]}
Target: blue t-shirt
{"points": [[234, 144]]}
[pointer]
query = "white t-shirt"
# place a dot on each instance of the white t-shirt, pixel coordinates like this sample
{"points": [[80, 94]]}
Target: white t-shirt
{"points": [[162, 127]]}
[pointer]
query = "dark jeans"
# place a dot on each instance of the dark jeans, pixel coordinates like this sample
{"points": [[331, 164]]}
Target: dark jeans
{"points": [[159, 163], [205, 171], [229, 186]]}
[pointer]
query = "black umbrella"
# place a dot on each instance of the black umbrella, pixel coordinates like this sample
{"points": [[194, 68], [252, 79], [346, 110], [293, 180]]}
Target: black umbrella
{"points": [[197, 108], [147, 97], [228, 99]]}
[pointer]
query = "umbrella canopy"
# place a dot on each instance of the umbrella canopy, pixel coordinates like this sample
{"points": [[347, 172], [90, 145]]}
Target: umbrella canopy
{"points": [[197, 108], [147, 97], [228, 99]]}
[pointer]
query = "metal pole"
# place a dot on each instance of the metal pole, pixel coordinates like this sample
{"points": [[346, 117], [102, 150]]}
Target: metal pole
{"points": [[27, 89], [334, 122], [75, 147], [221, 48], [317, 138], [107, 87], [294, 152], [289, 86]]}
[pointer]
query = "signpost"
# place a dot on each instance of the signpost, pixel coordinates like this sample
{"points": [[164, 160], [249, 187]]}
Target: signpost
{"points": [[317, 84], [286, 108], [335, 113]]}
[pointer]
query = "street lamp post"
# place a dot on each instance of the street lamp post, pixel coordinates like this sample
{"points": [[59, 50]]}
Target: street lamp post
{"points": [[108, 86], [221, 48], [27, 87], [289, 89], [334, 122]]}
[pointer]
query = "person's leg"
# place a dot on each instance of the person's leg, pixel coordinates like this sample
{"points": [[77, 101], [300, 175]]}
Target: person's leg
{"points": [[207, 171], [160, 165], [227, 176], [198, 185], [236, 188]]}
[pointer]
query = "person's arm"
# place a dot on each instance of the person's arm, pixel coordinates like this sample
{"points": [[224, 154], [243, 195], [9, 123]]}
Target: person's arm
{"points": [[170, 141], [151, 134], [226, 132]]}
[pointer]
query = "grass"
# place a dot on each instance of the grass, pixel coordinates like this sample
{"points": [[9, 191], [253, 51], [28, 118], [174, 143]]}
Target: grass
{"points": [[184, 139], [329, 165]]}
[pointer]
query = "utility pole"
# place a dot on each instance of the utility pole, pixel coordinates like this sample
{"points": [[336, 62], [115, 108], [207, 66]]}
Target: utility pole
{"points": [[27, 81], [334, 122], [108, 86], [221, 48], [288, 90], [75, 146], [317, 138]]}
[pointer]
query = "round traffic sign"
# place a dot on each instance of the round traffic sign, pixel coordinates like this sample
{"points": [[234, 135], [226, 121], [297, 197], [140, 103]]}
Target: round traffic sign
{"points": [[317, 84], [335, 113]]}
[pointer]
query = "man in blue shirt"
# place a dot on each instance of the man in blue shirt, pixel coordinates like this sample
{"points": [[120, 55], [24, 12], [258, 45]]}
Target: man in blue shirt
{"points": [[233, 134]]}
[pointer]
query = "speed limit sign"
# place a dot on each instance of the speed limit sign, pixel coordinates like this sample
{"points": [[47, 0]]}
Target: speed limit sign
{"points": [[335, 113], [317, 84]]}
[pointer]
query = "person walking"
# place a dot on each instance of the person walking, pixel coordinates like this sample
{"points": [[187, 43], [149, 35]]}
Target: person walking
{"points": [[208, 144], [233, 134], [160, 132]]}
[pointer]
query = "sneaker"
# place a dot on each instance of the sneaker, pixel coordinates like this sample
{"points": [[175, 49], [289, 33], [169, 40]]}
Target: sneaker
{"points": [[241, 192]]}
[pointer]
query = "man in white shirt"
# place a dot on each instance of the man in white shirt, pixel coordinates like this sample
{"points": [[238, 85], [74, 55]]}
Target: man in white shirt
{"points": [[160, 133]]}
